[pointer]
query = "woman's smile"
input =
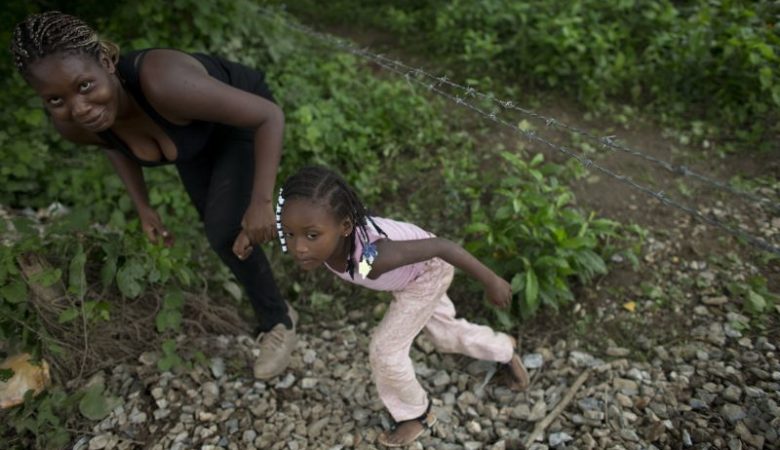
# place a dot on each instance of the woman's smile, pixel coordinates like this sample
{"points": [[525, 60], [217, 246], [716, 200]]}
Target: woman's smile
{"points": [[95, 122]]}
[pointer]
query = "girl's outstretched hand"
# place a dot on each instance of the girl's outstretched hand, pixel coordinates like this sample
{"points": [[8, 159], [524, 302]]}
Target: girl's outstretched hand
{"points": [[499, 292]]}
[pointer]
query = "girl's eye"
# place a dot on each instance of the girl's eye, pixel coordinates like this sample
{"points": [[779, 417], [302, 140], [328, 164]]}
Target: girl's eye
{"points": [[84, 86], [54, 101], [311, 236]]}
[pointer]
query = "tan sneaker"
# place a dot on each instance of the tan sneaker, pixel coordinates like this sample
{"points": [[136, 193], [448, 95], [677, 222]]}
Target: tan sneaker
{"points": [[276, 346]]}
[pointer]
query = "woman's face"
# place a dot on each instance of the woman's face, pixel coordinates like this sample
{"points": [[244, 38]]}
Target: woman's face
{"points": [[77, 90]]}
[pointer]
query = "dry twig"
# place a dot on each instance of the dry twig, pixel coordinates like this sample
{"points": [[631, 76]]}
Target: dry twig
{"points": [[538, 430]]}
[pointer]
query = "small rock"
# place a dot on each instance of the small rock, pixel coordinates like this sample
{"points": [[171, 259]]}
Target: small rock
{"points": [[309, 356], [99, 442], [473, 427], [556, 439], [308, 383], [533, 360], [735, 444], [686, 437], [618, 351], [627, 387], [538, 411], [715, 301], [442, 378], [733, 413], [217, 367], [732, 393], [287, 382], [148, 358]]}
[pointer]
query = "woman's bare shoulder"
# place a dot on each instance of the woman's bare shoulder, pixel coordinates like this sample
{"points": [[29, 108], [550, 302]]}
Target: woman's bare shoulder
{"points": [[164, 65]]}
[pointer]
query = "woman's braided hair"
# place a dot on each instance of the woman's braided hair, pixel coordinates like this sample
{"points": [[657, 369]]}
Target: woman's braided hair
{"points": [[321, 184], [44, 34]]}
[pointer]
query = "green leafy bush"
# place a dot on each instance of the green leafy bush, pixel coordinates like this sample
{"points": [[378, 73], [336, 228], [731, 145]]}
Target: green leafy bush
{"points": [[713, 60], [524, 226]]}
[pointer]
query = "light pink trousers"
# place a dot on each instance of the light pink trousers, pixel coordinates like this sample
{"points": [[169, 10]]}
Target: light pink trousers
{"points": [[424, 305]]}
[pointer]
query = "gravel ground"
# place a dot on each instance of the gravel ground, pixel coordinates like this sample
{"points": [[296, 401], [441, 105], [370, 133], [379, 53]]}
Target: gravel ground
{"points": [[720, 389]]}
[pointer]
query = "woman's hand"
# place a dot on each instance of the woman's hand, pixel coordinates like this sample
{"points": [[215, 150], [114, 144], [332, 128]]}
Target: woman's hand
{"points": [[499, 292], [258, 227], [153, 227]]}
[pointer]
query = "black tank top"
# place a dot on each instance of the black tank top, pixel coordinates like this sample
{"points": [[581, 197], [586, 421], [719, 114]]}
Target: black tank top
{"points": [[192, 138]]}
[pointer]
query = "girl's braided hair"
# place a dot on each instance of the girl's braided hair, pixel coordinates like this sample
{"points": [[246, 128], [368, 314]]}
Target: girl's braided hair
{"points": [[44, 34], [321, 184]]}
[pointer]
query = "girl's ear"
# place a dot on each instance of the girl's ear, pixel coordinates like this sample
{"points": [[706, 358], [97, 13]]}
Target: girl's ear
{"points": [[346, 227]]}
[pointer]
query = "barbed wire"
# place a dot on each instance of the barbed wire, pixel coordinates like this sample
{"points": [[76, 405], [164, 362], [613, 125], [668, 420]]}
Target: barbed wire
{"points": [[411, 74], [608, 141]]}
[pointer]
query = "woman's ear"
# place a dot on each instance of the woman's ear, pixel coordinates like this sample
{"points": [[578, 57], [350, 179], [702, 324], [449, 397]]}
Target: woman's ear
{"points": [[107, 63]]}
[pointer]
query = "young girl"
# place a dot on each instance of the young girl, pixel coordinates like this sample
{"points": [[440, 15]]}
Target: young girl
{"points": [[323, 222]]}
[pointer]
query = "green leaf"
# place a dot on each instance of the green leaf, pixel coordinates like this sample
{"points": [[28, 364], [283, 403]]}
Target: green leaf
{"points": [[504, 319], [95, 405], [169, 346], [755, 302], [108, 271], [56, 349], [478, 227], [174, 299], [46, 277], [575, 242], [77, 280], [168, 320], [518, 283], [129, 279], [168, 362], [76, 221], [33, 116], [14, 292], [233, 289], [68, 315], [531, 289]]}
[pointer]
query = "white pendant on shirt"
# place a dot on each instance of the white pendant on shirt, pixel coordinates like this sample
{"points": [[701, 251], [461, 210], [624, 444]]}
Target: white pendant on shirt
{"points": [[364, 268]]}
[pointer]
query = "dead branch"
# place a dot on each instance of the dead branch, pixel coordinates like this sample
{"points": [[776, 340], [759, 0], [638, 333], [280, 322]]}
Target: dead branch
{"points": [[538, 430]]}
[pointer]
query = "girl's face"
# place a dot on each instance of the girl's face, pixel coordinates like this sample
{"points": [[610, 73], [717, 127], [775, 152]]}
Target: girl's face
{"points": [[77, 90], [314, 236]]}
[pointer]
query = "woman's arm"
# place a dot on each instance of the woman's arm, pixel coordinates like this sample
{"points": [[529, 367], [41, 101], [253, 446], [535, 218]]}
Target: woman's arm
{"points": [[394, 254], [132, 177], [179, 88]]}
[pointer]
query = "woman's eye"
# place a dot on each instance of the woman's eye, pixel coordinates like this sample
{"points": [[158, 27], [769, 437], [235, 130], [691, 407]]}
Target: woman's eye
{"points": [[54, 101], [84, 86]]}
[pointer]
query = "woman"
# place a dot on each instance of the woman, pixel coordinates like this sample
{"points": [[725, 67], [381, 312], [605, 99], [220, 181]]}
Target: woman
{"points": [[212, 118]]}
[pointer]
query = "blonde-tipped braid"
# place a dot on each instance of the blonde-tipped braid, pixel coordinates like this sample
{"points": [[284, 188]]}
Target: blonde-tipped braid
{"points": [[52, 32]]}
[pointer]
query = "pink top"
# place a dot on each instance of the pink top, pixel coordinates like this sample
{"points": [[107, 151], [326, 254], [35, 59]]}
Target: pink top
{"points": [[396, 279]]}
